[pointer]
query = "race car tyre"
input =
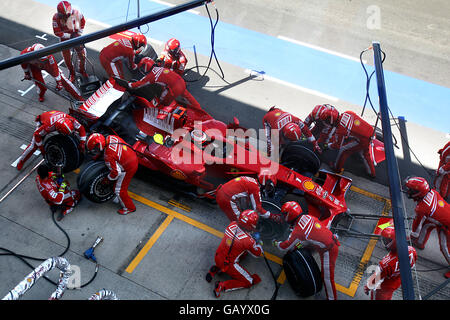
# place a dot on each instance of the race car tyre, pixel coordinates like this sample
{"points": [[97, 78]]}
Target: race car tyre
{"points": [[268, 229], [63, 150], [300, 157], [302, 272], [91, 182]]}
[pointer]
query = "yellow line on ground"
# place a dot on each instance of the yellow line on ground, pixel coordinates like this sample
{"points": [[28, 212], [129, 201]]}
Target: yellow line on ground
{"points": [[149, 244], [369, 194]]}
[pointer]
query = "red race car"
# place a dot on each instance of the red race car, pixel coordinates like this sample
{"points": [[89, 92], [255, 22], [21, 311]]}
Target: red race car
{"points": [[195, 152]]}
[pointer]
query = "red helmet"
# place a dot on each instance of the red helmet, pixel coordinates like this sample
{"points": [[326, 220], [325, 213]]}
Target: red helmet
{"points": [[38, 46], [388, 238], [64, 126], [64, 9], [266, 176], [416, 187], [173, 47], [139, 42], [292, 211], [292, 131], [248, 220], [146, 64], [95, 143], [330, 115]]}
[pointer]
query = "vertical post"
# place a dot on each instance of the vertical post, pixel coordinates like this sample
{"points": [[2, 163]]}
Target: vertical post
{"points": [[394, 181]]}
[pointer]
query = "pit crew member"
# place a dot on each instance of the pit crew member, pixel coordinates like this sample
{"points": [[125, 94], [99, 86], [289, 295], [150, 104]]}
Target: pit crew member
{"points": [[442, 180], [236, 243], [113, 56], [33, 71], [56, 191], [353, 134], [241, 193], [122, 162], [308, 232], [173, 84], [172, 57], [321, 122], [46, 123], [386, 279], [290, 127], [68, 23], [432, 212]]}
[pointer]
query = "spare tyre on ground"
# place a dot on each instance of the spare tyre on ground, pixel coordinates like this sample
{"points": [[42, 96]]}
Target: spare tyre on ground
{"points": [[302, 272], [93, 184]]}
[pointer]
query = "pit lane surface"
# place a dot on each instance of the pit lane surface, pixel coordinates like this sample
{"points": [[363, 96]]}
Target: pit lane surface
{"points": [[162, 251]]}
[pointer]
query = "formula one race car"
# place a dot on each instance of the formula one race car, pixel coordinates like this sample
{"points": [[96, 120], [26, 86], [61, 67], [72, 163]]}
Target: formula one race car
{"points": [[196, 153]]}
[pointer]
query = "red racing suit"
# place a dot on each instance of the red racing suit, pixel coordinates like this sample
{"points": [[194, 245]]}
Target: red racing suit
{"points": [[388, 273], [33, 70], [353, 134], [276, 119], [177, 64], [172, 83], [70, 28], [45, 124], [432, 212], [112, 55], [122, 162], [322, 130], [240, 194], [234, 245], [442, 181], [310, 233], [55, 195]]}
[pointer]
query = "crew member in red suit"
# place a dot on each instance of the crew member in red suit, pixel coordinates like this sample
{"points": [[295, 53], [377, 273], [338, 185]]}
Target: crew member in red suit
{"points": [[56, 191], [122, 162], [172, 83], [308, 232], [290, 127], [386, 278], [46, 123], [353, 134], [321, 121], [113, 55], [442, 181], [33, 71], [172, 57], [236, 243], [432, 212], [242, 193], [68, 23]]}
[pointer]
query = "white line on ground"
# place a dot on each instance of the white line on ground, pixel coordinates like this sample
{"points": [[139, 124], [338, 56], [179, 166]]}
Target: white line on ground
{"points": [[23, 147], [172, 5], [42, 37], [288, 84], [320, 49]]}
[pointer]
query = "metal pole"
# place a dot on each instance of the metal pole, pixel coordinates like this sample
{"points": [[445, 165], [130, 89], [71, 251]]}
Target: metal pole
{"points": [[100, 34], [394, 181]]}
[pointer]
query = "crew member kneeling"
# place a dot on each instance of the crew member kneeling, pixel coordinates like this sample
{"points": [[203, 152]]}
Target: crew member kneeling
{"points": [[122, 162]]}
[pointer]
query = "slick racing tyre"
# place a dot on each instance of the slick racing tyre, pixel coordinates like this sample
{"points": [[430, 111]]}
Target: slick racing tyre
{"points": [[63, 150], [91, 182], [300, 157], [302, 272], [268, 229]]}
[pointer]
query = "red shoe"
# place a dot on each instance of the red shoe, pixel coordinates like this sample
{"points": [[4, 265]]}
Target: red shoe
{"points": [[217, 289], [447, 275], [124, 212], [41, 98], [19, 165], [256, 279]]}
